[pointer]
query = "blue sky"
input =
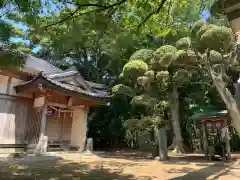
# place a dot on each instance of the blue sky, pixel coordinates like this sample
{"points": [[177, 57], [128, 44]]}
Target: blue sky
{"points": [[53, 6], [205, 14]]}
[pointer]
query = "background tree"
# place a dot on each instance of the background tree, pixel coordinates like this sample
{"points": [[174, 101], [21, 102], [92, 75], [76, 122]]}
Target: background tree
{"points": [[98, 37], [10, 53], [217, 56]]}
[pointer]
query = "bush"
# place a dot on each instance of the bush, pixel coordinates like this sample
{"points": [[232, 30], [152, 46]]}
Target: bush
{"points": [[163, 78], [121, 89], [149, 74], [143, 54], [197, 26], [185, 57], [205, 28], [144, 100], [184, 43], [163, 50], [215, 57], [163, 57], [134, 69], [181, 76], [167, 59], [143, 81], [217, 38]]}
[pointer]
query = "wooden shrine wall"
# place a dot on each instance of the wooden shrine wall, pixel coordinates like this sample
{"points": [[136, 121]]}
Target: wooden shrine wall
{"points": [[14, 110], [13, 120], [33, 126], [59, 126]]}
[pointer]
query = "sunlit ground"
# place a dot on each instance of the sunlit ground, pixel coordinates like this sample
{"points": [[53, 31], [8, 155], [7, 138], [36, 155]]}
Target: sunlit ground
{"points": [[114, 166]]}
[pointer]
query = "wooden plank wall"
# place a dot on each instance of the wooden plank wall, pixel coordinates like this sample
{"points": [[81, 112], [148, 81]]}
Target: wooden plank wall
{"points": [[13, 120], [59, 126], [67, 126], [33, 126]]}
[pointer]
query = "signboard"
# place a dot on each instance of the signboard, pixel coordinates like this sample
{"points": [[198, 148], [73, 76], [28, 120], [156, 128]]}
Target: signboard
{"points": [[39, 102]]}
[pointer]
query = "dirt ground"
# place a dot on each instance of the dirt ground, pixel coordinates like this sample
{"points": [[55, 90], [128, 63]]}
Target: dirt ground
{"points": [[115, 166]]}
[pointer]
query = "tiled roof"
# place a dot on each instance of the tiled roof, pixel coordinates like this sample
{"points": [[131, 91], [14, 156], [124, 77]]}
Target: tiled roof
{"points": [[47, 82], [72, 73]]}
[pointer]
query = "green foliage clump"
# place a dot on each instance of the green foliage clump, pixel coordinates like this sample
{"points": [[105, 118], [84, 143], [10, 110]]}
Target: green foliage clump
{"points": [[163, 50], [164, 56], [217, 38], [149, 74], [143, 54], [205, 28], [162, 75], [134, 69], [163, 78], [167, 59], [215, 57], [181, 53], [10, 58], [185, 57], [121, 89], [143, 81], [121, 76], [143, 100], [197, 26], [181, 76], [184, 43]]}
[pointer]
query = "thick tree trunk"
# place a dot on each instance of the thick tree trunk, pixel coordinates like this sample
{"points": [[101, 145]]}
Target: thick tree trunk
{"points": [[228, 99], [177, 144], [162, 142]]}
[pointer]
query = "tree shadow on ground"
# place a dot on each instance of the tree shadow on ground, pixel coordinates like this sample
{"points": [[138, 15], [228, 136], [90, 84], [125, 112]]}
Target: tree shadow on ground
{"points": [[210, 172], [59, 169], [126, 154]]}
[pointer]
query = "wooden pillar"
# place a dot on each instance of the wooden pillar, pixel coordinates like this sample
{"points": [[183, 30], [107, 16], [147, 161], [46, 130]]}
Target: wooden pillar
{"points": [[226, 139], [205, 140], [79, 129], [43, 139], [228, 147], [84, 133]]}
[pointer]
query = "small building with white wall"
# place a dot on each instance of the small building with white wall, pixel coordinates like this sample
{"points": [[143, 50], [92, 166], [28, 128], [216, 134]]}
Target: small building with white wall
{"points": [[43, 108]]}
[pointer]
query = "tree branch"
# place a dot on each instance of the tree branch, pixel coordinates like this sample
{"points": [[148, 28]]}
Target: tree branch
{"points": [[100, 7], [152, 13], [106, 25]]}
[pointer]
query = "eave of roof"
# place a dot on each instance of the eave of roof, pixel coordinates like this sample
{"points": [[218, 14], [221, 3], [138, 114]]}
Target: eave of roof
{"points": [[63, 74], [73, 73], [46, 82], [199, 116], [96, 85]]}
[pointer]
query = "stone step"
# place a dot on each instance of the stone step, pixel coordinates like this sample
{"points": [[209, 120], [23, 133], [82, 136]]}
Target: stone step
{"points": [[55, 149], [54, 144]]}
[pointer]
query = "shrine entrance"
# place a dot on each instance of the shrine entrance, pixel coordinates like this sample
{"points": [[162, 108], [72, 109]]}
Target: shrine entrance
{"points": [[58, 128], [212, 134]]}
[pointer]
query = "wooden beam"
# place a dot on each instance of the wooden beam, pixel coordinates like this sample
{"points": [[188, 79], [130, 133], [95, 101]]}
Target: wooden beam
{"points": [[232, 8], [16, 74], [57, 104], [70, 102], [233, 14], [230, 3], [15, 98], [9, 84]]}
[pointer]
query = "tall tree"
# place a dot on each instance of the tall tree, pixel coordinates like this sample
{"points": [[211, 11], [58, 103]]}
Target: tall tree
{"points": [[9, 52]]}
